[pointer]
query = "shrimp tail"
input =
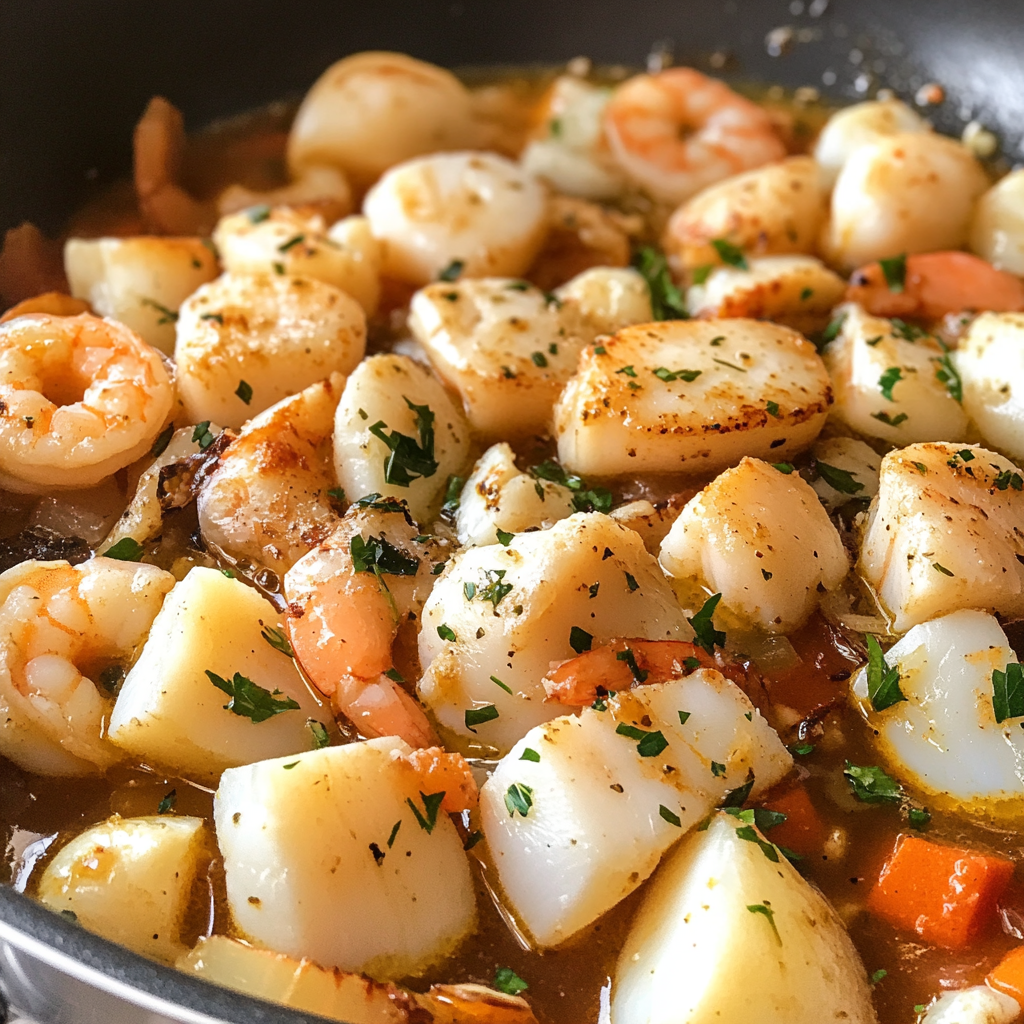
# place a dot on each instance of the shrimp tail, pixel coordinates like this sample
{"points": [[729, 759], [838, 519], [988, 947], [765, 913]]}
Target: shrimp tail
{"points": [[380, 707]]}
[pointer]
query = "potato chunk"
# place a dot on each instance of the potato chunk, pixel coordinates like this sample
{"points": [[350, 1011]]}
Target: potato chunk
{"points": [[945, 533], [760, 538], [499, 496], [888, 386], [170, 713], [130, 880], [693, 396], [526, 600], [246, 341], [385, 889], [140, 281], [991, 363], [944, 738], [601, 809], [395, 396], [699, 922], [798, 291]]}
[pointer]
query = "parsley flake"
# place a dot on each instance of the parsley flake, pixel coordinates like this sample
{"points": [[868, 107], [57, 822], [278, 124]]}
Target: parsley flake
{"points": [[167, 316], [278, 640], [947, 373], [891, 421], [446, 632], [705, 634], [639, 674], [162, 441], [769, 915], [249, 699], [379, 556], [580, 640], [244, 391], [498, 682], [529, 754], [670, 816], [453, 271], [872, 785], [1008, 692], [630, 582], [431, 805], [519, 798], [202, 435], [321, 738], [478, 716], [408, 460], [888, 381], [504, 537], [667, 299], [506, 980], [127, 549], [539, 359], [773, 409], [668, 376], [730, 254], [167, 804], [895, 271], [839, 479], [883, 679]]}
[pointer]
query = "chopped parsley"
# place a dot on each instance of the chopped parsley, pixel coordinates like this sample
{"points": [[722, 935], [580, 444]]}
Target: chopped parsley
{"points": [[167, 316], [783, 467], [832, 331], [668, 376], [919, 818], [765, 910], [167, 804], [627, 371], [452, 497], [650, 743], [883, 679], [217, 318], [888, 381], [580, 640], [839, 479], [394, 675], [908, 332], [162, 441], [472, 839], [731, 366], [702, 273], [773, 409], [630, 582], [1008, 692], [394, 833], [684, 716], [258, 214], [939, 567], [249, 699], [291, 243], [805, 294], [730, 254], [498, 682], [202, 435], [453, 271], [431, 805], [408, 460], [1003, 480], [379, 556], [667, 300], [717, 769], [872, 784], [878, 976], [478, 716], [750, 834], [895, 271], [504, 537], [321, 738], [446, 632], [539, 359], [639, 674], [375, 501], [495, 589], [244, 391], [336, 494], [947, 373], [506, 980], [277, 639], [891, 421], [704, 632], [127, 549], [670, 816], [529, 754], [519, 798]]}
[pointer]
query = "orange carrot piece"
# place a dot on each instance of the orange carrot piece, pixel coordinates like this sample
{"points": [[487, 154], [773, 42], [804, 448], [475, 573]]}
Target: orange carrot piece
{"points": [[1008, 975], [803, 831], [946, 895]]}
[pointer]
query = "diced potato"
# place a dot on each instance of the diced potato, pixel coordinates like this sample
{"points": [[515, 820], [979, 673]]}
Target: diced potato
{"points": [[699, 924], [142, 520], [944, 534], [997, 230], [499, 496], [381, 393], [990, 359], [778, 208], [601, 813], [297, 983], [904, 193], [760, 389], [140, 281], [976, 1005], [245, 341], [870, 359], [855, 126], [170, 713], [130, 880], [798, 291], [380, 891], [478, 209], [506, 346], [851, 457], [576, 574], [290, 242], [760, 538], [267, 498], [609, 298], [944, 738]]}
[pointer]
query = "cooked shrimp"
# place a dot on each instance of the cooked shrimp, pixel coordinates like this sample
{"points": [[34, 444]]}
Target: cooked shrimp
{"points": [[678, 131], [267, 499], [159, 145], [63, 630], [373, 110], [937, 283], [346, 601], [475, 1004], [56, 303], [80, 398], [439, 770]]}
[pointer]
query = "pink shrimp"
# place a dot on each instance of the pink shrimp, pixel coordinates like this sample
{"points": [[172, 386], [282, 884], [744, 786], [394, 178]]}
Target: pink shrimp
{"points": [[440, 771], [580, 681], [676, 132], [937, 283], [344, 617]]}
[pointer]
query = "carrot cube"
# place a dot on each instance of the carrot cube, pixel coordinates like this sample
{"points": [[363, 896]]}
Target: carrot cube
{"points": [[946, 895], [1008, 975], [803, 831]]}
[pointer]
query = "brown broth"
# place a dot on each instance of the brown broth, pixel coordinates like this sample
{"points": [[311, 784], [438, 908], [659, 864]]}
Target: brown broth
{"points": [[566, 984]]}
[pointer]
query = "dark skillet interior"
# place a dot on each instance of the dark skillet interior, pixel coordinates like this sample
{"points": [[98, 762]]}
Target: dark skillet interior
{"points": [[75, 75]]}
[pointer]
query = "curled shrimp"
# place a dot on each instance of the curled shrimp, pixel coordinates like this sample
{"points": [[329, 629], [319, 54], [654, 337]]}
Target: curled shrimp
{"points": [[440, 771], [159, 146], [66, 635], [80, 398], [346, 600], [679, 131], [56, 303], [935, 284], [609, 668]]}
